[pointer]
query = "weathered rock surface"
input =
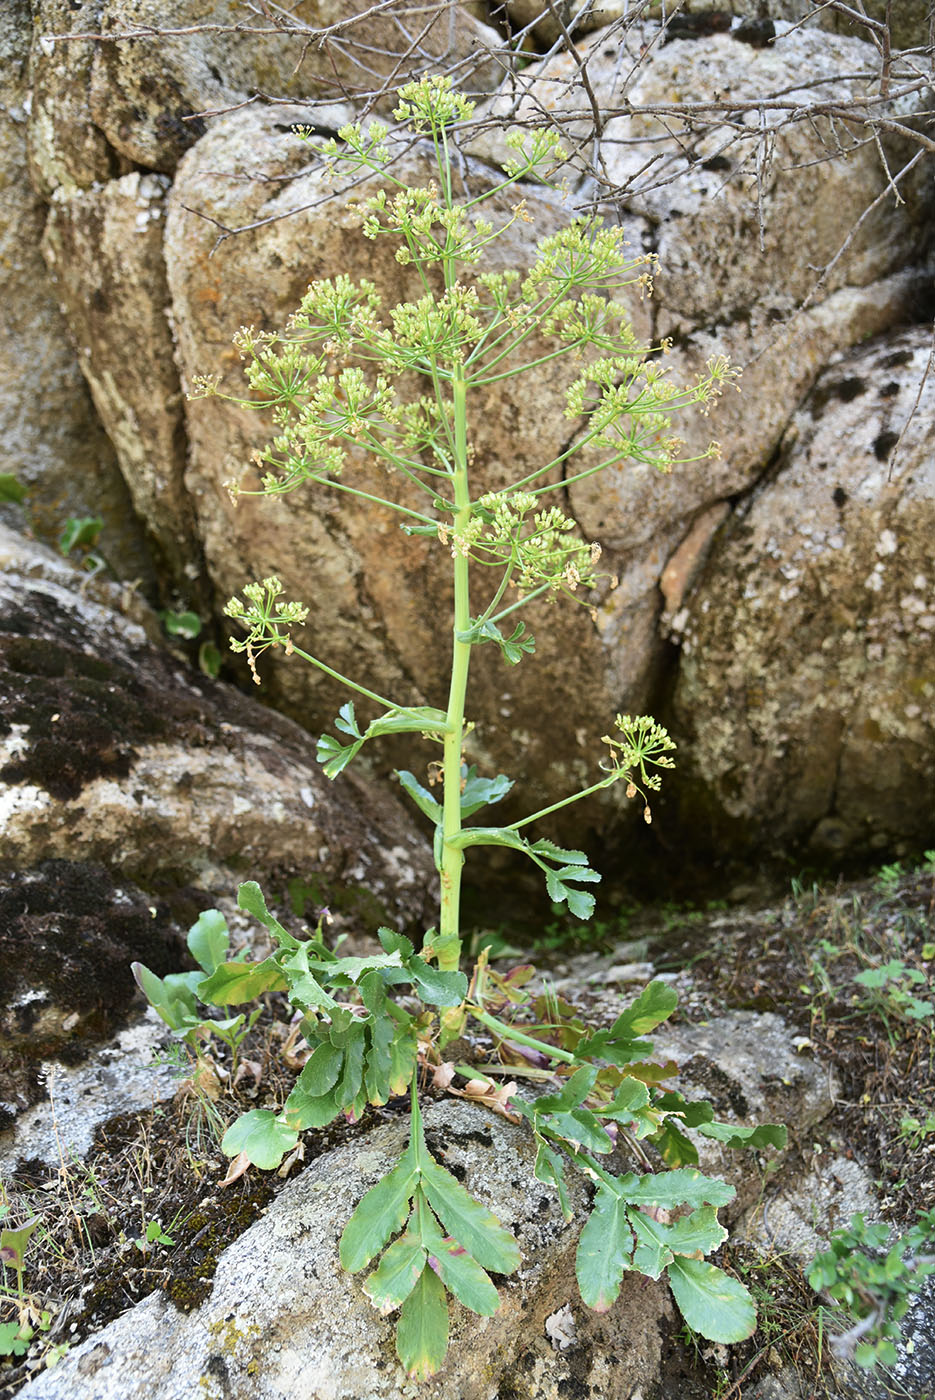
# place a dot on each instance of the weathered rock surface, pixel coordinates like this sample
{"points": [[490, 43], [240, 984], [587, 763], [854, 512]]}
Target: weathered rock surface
{"points": [[152, 84], [105, 246], [113, 751], [284, 1319], [50, 437], [806, 682], [123, 1076]]}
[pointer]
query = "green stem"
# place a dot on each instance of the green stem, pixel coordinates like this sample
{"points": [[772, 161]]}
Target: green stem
{"points": [[554, 1052], [567, 801], [352, 685], [448, 945], [520, 603]]}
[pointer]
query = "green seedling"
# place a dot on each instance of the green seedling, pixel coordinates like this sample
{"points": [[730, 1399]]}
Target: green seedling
{"points": [[888, 993], [337, 379], [874, 1282], [153, 1234]]}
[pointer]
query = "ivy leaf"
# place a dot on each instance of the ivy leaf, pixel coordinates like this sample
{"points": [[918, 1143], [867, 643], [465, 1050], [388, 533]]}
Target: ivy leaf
{"points": [[712, 1302], [208, 939], [763, 1135], [379, 1214], [422, 1331], [262, 1135]]}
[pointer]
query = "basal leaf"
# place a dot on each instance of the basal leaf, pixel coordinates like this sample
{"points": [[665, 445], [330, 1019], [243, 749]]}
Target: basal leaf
{"points": [[351, 1081], [397, 1274], [550, 1169], [208, 939], [403, 1053], [436, 987], [579, 1127], [631, 1096], [381, 1033], [573, 1092], [304, 987], [658, 1242], [654, 1005], [321, 1070], [668, 1190], [173, 996], [393, 942], [763, 1135], [467, 1221], [234, 983], [355, 968], [262, 1135], [604, 1250], [379, 1214], [460, 1273], [422, 1331], [250, 898], [712, 1302], [303, 1110], [675, 1149]]}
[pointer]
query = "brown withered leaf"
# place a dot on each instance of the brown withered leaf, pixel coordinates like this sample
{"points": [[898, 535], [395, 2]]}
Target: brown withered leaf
{"points": [[236, 1169]]}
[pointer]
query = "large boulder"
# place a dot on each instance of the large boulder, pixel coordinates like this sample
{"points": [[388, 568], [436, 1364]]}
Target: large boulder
{"points": [[50, 438], [153, 75], [113, 751], [105, 246], [806, 686]]}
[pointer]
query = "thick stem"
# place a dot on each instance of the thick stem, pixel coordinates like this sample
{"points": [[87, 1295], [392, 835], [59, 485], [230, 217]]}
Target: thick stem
{"points": [[448, 945]]}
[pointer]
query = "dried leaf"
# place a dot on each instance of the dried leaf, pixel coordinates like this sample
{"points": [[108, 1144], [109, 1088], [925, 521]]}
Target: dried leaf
{"points": [[236, 1169], [442, 1075]]}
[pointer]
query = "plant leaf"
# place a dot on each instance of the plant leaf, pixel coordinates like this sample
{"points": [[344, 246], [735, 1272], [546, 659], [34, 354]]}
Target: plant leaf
{"points": [[420, 795], [250, 899], [667, 1190], [460, 1273], [467, 1221], [262, 1135], [550, 1169], [422, 1331], [234, 983], [173, 996], [712, 1302], [604, 1250], [436, 987], [481, 792], [379, 1214], [763, 1135], [11, 491], [397, 1273], [321, 1070], [208, 939]]}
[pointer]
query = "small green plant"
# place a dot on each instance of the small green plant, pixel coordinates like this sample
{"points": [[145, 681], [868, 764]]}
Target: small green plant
{"points": [[888, 993], [12, 491], [152, 1234], [889, 877], [330, 380], [914, 1131], [874, 1282]]}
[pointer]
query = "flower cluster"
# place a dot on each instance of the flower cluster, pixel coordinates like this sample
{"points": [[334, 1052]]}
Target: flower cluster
{"points": [[507, 529], [642, 741], [267, 619]]}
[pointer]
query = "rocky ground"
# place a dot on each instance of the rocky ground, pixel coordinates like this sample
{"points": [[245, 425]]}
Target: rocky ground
{"points": [[147, 1213]]}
